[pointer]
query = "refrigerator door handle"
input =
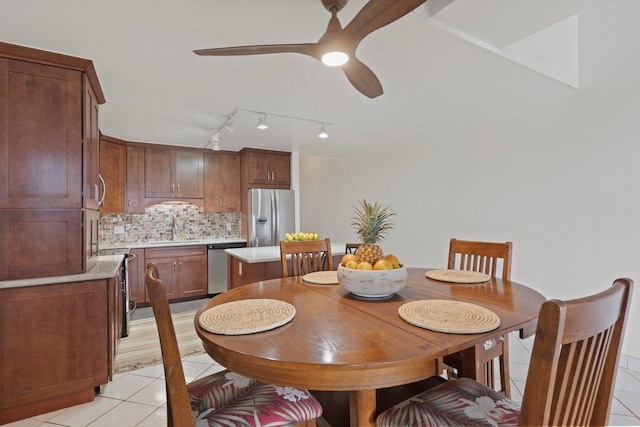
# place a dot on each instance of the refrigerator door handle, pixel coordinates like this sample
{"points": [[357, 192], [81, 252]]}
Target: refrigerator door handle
{"points": [[275, 223]]}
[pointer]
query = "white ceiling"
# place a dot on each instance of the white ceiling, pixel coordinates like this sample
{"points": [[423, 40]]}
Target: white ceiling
{"points": [[438, 70]]}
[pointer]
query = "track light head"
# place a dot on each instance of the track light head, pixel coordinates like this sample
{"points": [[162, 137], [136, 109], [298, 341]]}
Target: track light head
{"points": [[262, 122], [216, 146], [215, 138], [323, 132]]}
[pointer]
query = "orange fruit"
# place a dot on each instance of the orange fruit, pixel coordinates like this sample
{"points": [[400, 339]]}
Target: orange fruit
{"points": [[347, 258], [365, 266], [393, 260], [352, 263], [383, 264]]}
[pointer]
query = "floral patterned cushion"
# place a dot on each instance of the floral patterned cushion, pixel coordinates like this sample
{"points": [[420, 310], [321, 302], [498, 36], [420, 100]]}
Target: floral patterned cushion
{"points": [[227, 398], [463, 402]]}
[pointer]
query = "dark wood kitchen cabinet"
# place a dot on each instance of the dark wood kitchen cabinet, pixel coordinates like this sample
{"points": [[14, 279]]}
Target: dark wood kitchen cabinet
{"points": [[113, 164], [266, 169], [173, 174], [182, 269], [57, 344], [135, 180], [48, 158], [222, 182], [137, 267]]}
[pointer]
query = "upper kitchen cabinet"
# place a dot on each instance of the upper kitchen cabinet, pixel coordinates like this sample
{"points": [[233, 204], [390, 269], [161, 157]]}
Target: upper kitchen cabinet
{"points": [[49, 163], [222, 182], [173, 174], [113, 163], [48, 104], [266, 169], [135, 180]]}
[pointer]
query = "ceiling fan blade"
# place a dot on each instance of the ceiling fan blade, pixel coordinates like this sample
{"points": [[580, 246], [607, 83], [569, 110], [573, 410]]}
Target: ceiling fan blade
{"points": [[373, 16], [303, 48], [362, 78]]}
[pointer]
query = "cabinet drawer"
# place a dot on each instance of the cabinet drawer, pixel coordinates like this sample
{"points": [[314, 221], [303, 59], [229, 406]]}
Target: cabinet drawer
{"points": [[174, 252]]}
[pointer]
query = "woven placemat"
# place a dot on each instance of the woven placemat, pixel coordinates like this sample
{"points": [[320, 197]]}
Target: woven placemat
{"points": [[321, 277], [246, 316], [454, 317], [457, 276]]}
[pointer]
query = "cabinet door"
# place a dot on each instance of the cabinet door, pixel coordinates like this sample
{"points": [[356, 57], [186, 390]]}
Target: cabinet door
{"points": [[231, 182], [189, 173], [136, 273], [113, 171], [54, 342], [159, 172], [40, 243], [40, 136], [222, 182], [192, 276], [281, 170], [92, 189], [258, 168], [135, 180], [168, 272]]}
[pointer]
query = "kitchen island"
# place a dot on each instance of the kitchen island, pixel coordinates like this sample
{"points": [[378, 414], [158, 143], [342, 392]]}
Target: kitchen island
{"points": [[248, 265], [59, 338]]}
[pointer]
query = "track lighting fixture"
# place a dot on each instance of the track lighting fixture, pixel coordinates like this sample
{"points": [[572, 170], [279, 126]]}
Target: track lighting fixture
{"points": [[262, 122], [229, 123], [323, 133]]}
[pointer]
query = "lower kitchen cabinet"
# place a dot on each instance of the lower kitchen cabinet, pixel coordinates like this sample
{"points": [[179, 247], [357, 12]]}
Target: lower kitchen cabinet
{"points": [[137, 267], [182, 269], [240, 272], [57, 345]]}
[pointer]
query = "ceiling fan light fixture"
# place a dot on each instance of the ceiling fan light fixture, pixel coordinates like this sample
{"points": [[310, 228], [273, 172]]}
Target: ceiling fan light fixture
{"points": [[262, 122], [335, 58], [323, 133]]}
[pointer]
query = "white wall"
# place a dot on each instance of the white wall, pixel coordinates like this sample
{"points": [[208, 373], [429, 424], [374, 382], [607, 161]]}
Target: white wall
{"points": [[560, 178]]}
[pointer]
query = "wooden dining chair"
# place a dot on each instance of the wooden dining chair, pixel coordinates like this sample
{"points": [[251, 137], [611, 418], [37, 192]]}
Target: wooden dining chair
{"points": [[305, 257], [223, 398], [351, 248], [493, 259], [571, 374]]}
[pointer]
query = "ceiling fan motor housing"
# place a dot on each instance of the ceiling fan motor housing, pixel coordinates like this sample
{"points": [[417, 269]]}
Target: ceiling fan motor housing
{"points": [[334, 4]]}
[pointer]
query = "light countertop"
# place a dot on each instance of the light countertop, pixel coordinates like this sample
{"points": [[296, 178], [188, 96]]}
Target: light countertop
{"points": [[104, 267], [271, 253], [170, 243]]}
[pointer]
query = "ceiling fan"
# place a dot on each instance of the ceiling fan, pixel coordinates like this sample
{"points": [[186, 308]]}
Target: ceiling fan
{"points": [[337, 46]]}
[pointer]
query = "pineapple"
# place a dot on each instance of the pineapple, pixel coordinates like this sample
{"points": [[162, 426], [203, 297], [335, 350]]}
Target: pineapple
{"points": [[371, 223]]}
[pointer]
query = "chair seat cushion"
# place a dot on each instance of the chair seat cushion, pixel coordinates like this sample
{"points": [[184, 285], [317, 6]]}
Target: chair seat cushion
{"points": [[463, 402], [226, 398]]}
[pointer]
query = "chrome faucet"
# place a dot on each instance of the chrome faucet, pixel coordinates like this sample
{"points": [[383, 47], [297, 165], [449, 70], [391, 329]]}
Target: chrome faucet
{"points": [[174, 224]]}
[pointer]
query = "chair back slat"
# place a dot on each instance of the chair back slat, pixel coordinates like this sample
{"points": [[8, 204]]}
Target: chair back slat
{"points": [[305, 257], [178, 405], [483, 257], [575, 357]]}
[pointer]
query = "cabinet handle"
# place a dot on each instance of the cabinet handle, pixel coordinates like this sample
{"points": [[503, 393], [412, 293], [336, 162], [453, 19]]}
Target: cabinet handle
{"points": [[95, 192], [220, 204], [173, 189], [178, 188], [180, 265], [129, 202], [174, 266], [104, 190]]}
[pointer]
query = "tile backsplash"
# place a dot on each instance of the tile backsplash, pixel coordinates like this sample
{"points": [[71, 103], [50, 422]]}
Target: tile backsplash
{"points": [[156, 224]]}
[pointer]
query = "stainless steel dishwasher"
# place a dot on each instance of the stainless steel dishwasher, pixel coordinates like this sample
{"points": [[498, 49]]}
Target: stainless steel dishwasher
{"points": [[217, 266]]}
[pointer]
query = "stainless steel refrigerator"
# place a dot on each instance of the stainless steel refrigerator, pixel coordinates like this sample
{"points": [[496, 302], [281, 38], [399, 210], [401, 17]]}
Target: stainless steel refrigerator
{"points": [[270, 214]]}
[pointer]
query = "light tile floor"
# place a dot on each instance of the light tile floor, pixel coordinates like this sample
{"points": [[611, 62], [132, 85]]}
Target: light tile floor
{"points": [[137, 398]]}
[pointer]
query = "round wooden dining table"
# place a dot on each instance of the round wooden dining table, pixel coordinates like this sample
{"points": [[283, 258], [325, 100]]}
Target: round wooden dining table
{"points": [[340, 342]]}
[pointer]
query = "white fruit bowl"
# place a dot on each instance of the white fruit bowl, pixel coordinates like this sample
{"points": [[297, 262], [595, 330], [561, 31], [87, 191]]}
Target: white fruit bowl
{"points": [[372, 283]]}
